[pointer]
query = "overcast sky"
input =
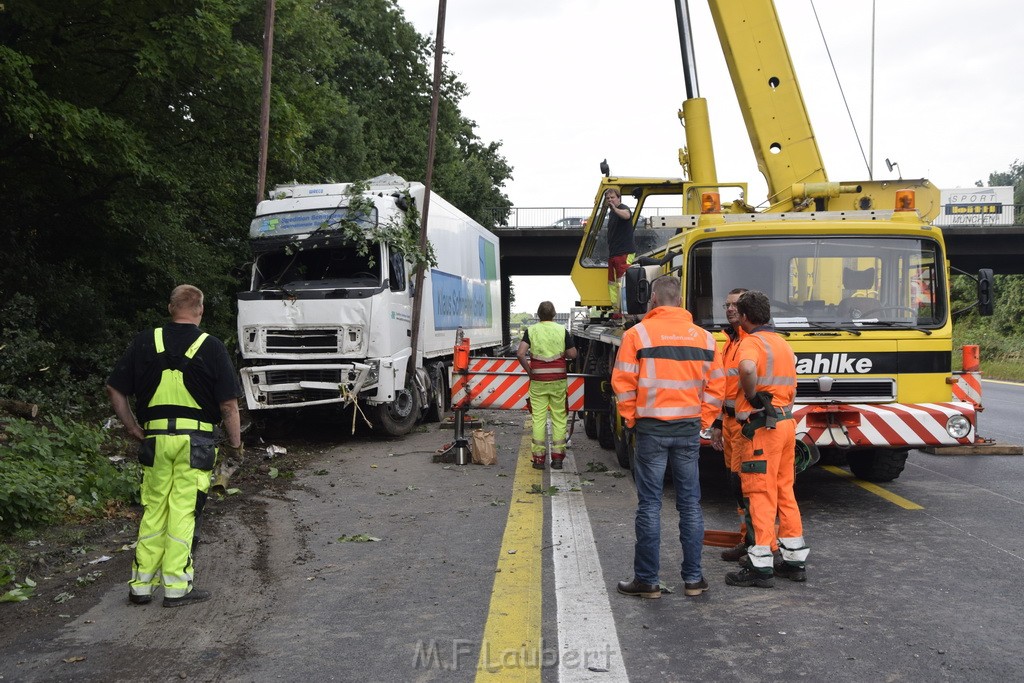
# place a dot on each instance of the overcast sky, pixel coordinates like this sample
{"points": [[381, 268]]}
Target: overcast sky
{"points": [[564, 84]]}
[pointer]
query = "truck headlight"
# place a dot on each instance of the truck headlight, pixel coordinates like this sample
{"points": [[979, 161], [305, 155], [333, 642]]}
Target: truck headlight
{"points": [[958, 426], [373, 375]]}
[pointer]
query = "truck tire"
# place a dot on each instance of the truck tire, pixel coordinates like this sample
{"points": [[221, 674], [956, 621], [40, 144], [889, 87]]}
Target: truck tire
{"points": [[605, 431], [438, 392], [590, 424], [622, 447], [877, 464], [398, 417]]}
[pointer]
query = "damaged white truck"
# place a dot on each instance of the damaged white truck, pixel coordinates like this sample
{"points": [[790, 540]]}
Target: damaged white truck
{"points": [[328, 315]]}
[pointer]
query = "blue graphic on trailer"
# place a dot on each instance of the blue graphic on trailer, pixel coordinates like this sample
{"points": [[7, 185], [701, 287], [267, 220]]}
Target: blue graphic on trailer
{"points": [[464, 302], [459, 302]]}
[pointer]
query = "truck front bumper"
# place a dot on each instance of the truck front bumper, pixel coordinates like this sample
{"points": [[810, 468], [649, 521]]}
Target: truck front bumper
{"points": [[887, 425], [302, 384]]}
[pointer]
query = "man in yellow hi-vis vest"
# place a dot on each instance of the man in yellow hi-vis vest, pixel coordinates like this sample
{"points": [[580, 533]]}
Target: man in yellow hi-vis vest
{"points": [[183, 382], [549, 345]]}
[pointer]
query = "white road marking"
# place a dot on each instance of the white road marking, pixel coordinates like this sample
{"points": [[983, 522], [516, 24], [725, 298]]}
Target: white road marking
{"points": [[588, 644]]}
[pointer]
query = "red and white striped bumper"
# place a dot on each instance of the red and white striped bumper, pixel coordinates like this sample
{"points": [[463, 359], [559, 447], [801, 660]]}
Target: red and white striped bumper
{"points": [[893, 425]]}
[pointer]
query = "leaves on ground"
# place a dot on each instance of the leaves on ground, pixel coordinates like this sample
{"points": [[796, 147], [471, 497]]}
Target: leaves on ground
{"points": [[537, 488], [357, 538], [595, 466], [20, 592]]}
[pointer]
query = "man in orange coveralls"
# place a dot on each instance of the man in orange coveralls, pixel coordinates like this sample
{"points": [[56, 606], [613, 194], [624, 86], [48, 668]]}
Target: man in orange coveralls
{"points": [[725, 435], [764, 404]]}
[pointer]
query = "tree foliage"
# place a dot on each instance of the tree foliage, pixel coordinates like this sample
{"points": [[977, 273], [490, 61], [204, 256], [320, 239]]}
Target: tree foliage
{"points": [[128, 149]]}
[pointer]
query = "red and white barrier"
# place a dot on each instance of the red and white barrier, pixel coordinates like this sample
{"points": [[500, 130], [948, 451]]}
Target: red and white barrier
{"points": [[502, 384]]}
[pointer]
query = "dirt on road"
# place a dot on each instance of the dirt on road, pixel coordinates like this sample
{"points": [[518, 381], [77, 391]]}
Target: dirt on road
{"points": [[79, 626]]}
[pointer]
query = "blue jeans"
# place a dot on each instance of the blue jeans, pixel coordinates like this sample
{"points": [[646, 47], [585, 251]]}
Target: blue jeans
{"points": [[653, 455]]}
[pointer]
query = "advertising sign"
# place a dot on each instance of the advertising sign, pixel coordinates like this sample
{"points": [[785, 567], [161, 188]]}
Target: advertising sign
{"points": [[980, 206]]}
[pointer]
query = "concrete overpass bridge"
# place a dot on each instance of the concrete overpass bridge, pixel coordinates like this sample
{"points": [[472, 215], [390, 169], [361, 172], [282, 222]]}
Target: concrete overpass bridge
{"points": [[552, 250]]}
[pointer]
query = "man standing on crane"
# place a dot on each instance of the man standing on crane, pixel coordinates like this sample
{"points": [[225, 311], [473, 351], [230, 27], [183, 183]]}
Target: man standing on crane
{"points": [[549, 345], [764, 406], [669, 383], [621, 246]]}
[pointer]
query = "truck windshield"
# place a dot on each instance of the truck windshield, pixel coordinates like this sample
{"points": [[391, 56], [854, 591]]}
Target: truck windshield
{"points": [[831, 282], [294, 269], [305, 222]]}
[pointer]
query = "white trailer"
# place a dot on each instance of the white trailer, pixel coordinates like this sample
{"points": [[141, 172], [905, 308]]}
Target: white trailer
{"points": [[325, 324]]}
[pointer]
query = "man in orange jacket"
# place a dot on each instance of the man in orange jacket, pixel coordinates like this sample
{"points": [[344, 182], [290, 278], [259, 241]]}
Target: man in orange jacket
{"points": [[764, 404], [669, 383], [725, 434]]}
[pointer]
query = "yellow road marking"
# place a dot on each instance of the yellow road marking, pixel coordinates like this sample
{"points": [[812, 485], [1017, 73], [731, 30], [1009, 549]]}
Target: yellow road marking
{"points": [[511, 648], [875, 489]]}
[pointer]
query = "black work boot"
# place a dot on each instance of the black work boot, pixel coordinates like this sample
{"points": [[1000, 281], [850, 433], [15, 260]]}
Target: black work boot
{"points": [[193, 596], [793, 572], [640, 589], [138, 598], [735, 553], [556, 463], [748, 576]]}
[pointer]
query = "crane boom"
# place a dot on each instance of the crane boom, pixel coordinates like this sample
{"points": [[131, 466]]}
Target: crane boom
{"points": [[769, 96]]}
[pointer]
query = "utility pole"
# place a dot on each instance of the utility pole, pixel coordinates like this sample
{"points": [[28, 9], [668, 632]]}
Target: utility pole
{"points": [[417, 305], [268, 54]]}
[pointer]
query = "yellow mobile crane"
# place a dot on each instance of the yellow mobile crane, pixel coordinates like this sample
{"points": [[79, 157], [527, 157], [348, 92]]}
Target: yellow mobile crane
{"points": [[857, 275]]}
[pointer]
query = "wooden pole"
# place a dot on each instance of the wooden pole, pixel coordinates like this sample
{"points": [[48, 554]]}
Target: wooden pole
{"points": [[417, 305], [268, 54]]}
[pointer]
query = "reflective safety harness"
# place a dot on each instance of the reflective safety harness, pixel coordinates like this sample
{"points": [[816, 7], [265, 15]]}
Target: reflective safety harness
{"points": [[172, 408], [547, 352]]}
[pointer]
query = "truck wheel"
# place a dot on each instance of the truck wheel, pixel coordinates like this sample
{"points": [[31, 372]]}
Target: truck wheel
{"points": [[590, 424], [622, 448], [605, 431], [398, 417], [439, 399], [877, 464]]}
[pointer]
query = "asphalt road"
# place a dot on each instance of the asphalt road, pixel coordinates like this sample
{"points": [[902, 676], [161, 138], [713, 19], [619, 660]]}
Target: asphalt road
{"points": [[922, 584]]}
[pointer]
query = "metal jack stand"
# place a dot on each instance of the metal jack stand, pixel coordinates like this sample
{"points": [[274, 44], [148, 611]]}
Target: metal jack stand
{"points": [[459, 452]]}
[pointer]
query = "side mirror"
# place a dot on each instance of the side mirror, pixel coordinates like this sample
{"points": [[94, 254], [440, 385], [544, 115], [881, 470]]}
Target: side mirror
{"points": [[986, 292], [636, 292]]}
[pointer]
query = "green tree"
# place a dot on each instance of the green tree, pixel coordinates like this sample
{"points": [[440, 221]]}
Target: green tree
{"points": [[128, 145]]}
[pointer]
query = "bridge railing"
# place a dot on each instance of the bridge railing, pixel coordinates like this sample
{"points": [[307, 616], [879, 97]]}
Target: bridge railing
{"points": [[539, 217], [572, 216]]}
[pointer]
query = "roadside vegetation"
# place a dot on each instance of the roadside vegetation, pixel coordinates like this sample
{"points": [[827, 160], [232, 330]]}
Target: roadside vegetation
{"points": [[129, 133]]}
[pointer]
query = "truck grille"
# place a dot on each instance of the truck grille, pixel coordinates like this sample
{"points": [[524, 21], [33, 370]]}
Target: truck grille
{"points": [[277, 398], [302, 341], [304, 375], [847, 391]]}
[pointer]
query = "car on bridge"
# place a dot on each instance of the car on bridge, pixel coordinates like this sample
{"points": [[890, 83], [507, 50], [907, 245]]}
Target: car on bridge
{"points": [[569, 223]]}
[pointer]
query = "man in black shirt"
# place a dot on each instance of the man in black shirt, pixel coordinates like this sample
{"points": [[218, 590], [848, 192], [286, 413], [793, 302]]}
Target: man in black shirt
{"points": [[621, 246], [184, 383]]}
